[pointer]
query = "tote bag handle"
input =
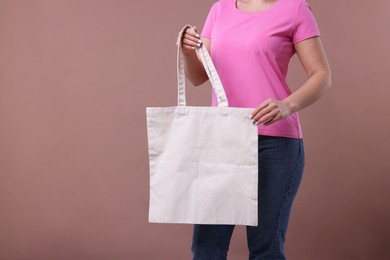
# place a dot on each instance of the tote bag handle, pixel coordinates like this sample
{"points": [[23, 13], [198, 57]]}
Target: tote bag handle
{"points": [[209, 68]]}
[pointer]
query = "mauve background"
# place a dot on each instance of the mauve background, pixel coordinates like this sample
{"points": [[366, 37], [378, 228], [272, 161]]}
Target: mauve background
{"points": [[75, 78]]}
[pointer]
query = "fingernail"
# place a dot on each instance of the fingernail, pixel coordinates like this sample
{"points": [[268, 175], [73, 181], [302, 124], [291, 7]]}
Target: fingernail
{"points": [[198, 44], [199, 41], [197, 35], [250, 116], [256, 123]]}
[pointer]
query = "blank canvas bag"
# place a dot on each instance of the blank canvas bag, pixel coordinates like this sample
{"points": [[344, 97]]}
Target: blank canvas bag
{"points": [[203, 161]]}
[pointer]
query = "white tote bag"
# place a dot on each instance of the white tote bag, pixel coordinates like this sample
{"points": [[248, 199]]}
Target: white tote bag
{"points": [[203, 161]]}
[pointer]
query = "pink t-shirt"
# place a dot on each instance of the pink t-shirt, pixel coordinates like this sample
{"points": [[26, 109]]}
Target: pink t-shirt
{"points": [[251, 52]]}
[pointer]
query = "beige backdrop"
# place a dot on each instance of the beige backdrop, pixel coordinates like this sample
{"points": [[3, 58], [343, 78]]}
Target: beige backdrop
{"points": [[75, 78]]}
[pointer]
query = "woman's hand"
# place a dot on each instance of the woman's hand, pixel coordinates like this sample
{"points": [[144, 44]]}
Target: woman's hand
{"points": [[190, 41], [270, 111]]}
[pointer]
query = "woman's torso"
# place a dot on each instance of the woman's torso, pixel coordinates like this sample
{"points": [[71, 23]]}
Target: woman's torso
{"points": [[251, 52]]}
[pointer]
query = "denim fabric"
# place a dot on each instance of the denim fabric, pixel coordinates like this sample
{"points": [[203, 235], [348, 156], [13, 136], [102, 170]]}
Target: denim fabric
{"points": [[281, 164]]}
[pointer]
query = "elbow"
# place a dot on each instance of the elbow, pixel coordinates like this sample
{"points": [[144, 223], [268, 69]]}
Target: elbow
{"points": [[328, 79], [198, 81], [328, 73], [197, 78], [327, 82], [326, 76]]}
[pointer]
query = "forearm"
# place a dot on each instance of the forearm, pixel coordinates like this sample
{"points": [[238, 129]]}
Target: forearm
{"points": [[314, 87], [194, 69]]}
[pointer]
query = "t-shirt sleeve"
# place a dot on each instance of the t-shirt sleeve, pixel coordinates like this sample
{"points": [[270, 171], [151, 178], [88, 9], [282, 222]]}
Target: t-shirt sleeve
{"points": [[209, 23], [305, 25]]}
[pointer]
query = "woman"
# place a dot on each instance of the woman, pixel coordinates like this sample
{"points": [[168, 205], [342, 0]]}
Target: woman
{"points": [[251, 43]]}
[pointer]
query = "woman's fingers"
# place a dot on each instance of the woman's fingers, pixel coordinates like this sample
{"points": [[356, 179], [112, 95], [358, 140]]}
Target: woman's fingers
{"points": [[260, 107], [194, 32], [274, 119], [270, 111], [187, 36], [262, 113], [191, 37], [190, 40], [269, 117], [266, 117], [191, 43], [266, 112]]}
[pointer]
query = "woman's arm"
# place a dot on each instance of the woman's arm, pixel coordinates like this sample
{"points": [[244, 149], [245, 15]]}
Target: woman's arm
{"points": [[313, 59], [193, 67]]}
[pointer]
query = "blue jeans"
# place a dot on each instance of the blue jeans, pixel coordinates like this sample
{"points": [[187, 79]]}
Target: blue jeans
{"points": [[281, 164]]}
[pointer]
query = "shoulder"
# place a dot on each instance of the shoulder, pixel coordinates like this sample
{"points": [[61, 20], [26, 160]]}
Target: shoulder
{"points": [[219, 3], [294, 8], [293, 3], [299, 3], [215, 7]]}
